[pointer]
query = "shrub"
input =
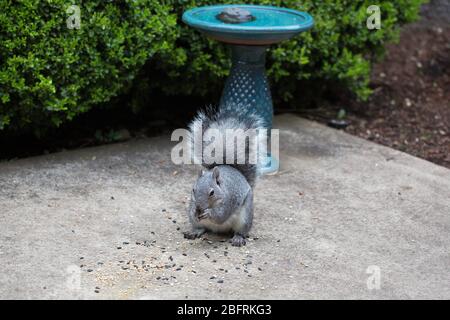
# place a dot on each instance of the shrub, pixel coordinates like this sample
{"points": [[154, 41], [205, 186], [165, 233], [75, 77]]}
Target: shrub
{"points": [[338, 49], [49, 73]]}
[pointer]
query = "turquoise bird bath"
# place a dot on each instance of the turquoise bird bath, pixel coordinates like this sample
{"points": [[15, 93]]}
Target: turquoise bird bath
{"points": [[249, 30]]}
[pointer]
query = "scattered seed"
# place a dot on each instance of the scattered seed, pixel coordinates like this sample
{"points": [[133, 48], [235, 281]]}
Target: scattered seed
{"points": [[118, 248], [219, 281], [89, 270]]}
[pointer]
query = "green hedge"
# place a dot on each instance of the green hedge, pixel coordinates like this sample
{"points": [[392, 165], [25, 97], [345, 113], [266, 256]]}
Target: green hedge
{"points": [[49, 73], [338, 49]]}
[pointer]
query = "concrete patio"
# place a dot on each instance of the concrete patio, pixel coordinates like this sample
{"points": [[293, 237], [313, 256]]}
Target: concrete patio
{"points": [[107, 222]]}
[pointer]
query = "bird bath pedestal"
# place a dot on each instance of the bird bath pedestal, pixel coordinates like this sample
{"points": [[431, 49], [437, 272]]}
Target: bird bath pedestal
{"points": [[249, 30]]}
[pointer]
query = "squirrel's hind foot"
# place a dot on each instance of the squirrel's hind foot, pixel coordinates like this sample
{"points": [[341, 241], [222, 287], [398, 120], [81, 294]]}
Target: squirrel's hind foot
{"points": [[238, 241], [194, 234]]}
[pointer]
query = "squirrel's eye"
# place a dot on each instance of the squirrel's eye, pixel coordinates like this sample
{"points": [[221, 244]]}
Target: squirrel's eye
{"points": [[211, 193]]}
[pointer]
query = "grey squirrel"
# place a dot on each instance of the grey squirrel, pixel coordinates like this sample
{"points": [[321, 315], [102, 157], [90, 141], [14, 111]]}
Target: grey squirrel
{"points": [[222, 196]]}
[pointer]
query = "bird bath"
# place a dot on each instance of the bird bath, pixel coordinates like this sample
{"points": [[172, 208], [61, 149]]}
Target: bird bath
{"points": [[249, 30]]}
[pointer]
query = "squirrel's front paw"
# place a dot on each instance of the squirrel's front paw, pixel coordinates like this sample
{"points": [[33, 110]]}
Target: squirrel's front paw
{"points": [[194, 234], [204, 215], [237, 240]]}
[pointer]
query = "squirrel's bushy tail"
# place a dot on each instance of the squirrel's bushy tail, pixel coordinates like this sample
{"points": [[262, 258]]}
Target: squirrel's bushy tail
{"points": [[220, 120]]}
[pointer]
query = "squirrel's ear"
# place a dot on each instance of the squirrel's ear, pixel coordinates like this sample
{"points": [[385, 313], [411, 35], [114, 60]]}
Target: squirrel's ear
{"points": [[216, 174]]}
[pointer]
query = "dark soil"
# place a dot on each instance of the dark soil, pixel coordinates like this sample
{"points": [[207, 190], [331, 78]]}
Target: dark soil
{"points": [[410, 107], [103, 126]]}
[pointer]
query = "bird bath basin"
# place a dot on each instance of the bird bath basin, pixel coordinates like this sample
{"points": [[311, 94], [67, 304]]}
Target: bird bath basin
{"points": [[249, 30]]}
